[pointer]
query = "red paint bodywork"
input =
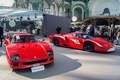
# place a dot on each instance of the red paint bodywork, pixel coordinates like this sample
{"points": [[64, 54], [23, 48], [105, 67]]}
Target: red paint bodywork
{"points": [[67, 40], [30, 53]]}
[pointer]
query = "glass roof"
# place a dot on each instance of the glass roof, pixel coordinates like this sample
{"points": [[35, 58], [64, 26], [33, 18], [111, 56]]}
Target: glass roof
{"points": [[12, 12]]}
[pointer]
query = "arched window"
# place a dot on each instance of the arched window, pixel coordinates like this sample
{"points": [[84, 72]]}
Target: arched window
{"points": [[106, 10], [78, 13]]}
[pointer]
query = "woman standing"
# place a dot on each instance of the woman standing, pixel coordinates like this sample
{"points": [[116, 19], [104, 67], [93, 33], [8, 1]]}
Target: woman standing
{"points": [[1, 36], [118, 35], [101, 31], [112, 33]]}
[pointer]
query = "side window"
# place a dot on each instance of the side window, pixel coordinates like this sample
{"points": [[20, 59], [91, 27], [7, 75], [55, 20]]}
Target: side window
{"points": [[75, 35], [85, 36], [13, 39], [22, 38], [16, 39], [79, 36]]}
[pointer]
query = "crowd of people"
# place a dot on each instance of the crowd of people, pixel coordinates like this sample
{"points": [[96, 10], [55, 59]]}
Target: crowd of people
{"points": [[33, 27], [1, 35], [111, 33]]}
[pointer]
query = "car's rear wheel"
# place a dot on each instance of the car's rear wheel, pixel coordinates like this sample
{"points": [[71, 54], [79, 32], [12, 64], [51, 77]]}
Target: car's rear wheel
{"points": [[88, 46], [56, 42]]}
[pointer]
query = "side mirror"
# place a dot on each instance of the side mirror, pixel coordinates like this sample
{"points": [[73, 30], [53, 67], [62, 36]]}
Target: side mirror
{"points": [[6, 43], [43, 39]]}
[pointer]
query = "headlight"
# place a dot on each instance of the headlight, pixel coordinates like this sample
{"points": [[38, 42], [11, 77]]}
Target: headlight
{"points": [[15, 57], [111, 49], [50, 53]]}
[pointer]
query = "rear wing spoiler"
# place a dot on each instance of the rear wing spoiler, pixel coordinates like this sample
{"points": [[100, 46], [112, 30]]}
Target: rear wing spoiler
{"points": [[63, 33], [52, 35]]}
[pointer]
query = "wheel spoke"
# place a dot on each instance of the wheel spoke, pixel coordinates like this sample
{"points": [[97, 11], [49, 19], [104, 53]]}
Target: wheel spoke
{"points": [[56, 42], [88, 47]]}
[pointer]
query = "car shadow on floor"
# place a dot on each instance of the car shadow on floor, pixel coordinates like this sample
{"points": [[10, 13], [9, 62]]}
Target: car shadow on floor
{"points": [[115, 53], [62, 64]]}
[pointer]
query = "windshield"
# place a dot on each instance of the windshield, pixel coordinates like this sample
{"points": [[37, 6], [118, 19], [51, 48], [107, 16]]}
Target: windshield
{"points": [[24, 38]]}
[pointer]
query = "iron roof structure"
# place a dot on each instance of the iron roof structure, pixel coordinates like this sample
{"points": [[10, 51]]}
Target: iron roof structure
{"points": [[8, 12]]}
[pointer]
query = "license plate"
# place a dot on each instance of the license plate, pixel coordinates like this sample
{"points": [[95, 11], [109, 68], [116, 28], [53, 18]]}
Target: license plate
{"points": [[37, 68]]}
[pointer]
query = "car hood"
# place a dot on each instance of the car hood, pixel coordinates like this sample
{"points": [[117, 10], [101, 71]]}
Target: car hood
{"points": [[101, 41], [29, 51]]}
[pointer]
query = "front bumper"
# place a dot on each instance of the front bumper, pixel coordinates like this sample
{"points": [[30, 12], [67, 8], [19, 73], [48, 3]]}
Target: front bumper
{"points": [[111, 49], [25, 64]]}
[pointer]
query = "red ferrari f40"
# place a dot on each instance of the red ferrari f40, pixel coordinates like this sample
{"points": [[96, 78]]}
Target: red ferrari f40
{"points": [[24, 50]]}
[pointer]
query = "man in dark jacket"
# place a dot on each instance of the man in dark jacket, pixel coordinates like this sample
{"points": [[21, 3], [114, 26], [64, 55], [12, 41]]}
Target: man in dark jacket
{"points": [[83, 28], [1, 36], [58, 29]]}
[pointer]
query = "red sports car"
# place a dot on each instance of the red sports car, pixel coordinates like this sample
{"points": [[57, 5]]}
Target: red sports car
{"points": [[82, 41], [24, 50]]}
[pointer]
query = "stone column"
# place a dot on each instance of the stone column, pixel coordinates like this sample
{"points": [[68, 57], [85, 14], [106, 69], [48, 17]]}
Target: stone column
{"points": [[63, 7], [26, 3], [41, 4], [16, 3]]}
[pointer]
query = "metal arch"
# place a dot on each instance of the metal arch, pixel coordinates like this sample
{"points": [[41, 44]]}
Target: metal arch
{"points": [[80, 8]]}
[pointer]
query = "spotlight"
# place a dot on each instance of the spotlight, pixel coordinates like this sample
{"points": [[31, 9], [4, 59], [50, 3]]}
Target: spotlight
{"points": [[28, 18], [21, 18], [17, 18], [35, 15]]}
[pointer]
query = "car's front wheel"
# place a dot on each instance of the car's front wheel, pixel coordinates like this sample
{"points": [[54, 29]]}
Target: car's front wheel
{"points": [[56, 42], [88, 46]]}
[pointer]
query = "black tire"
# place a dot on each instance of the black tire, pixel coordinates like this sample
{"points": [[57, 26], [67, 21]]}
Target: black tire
{"points": [[56, 42], [88, 46]]}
